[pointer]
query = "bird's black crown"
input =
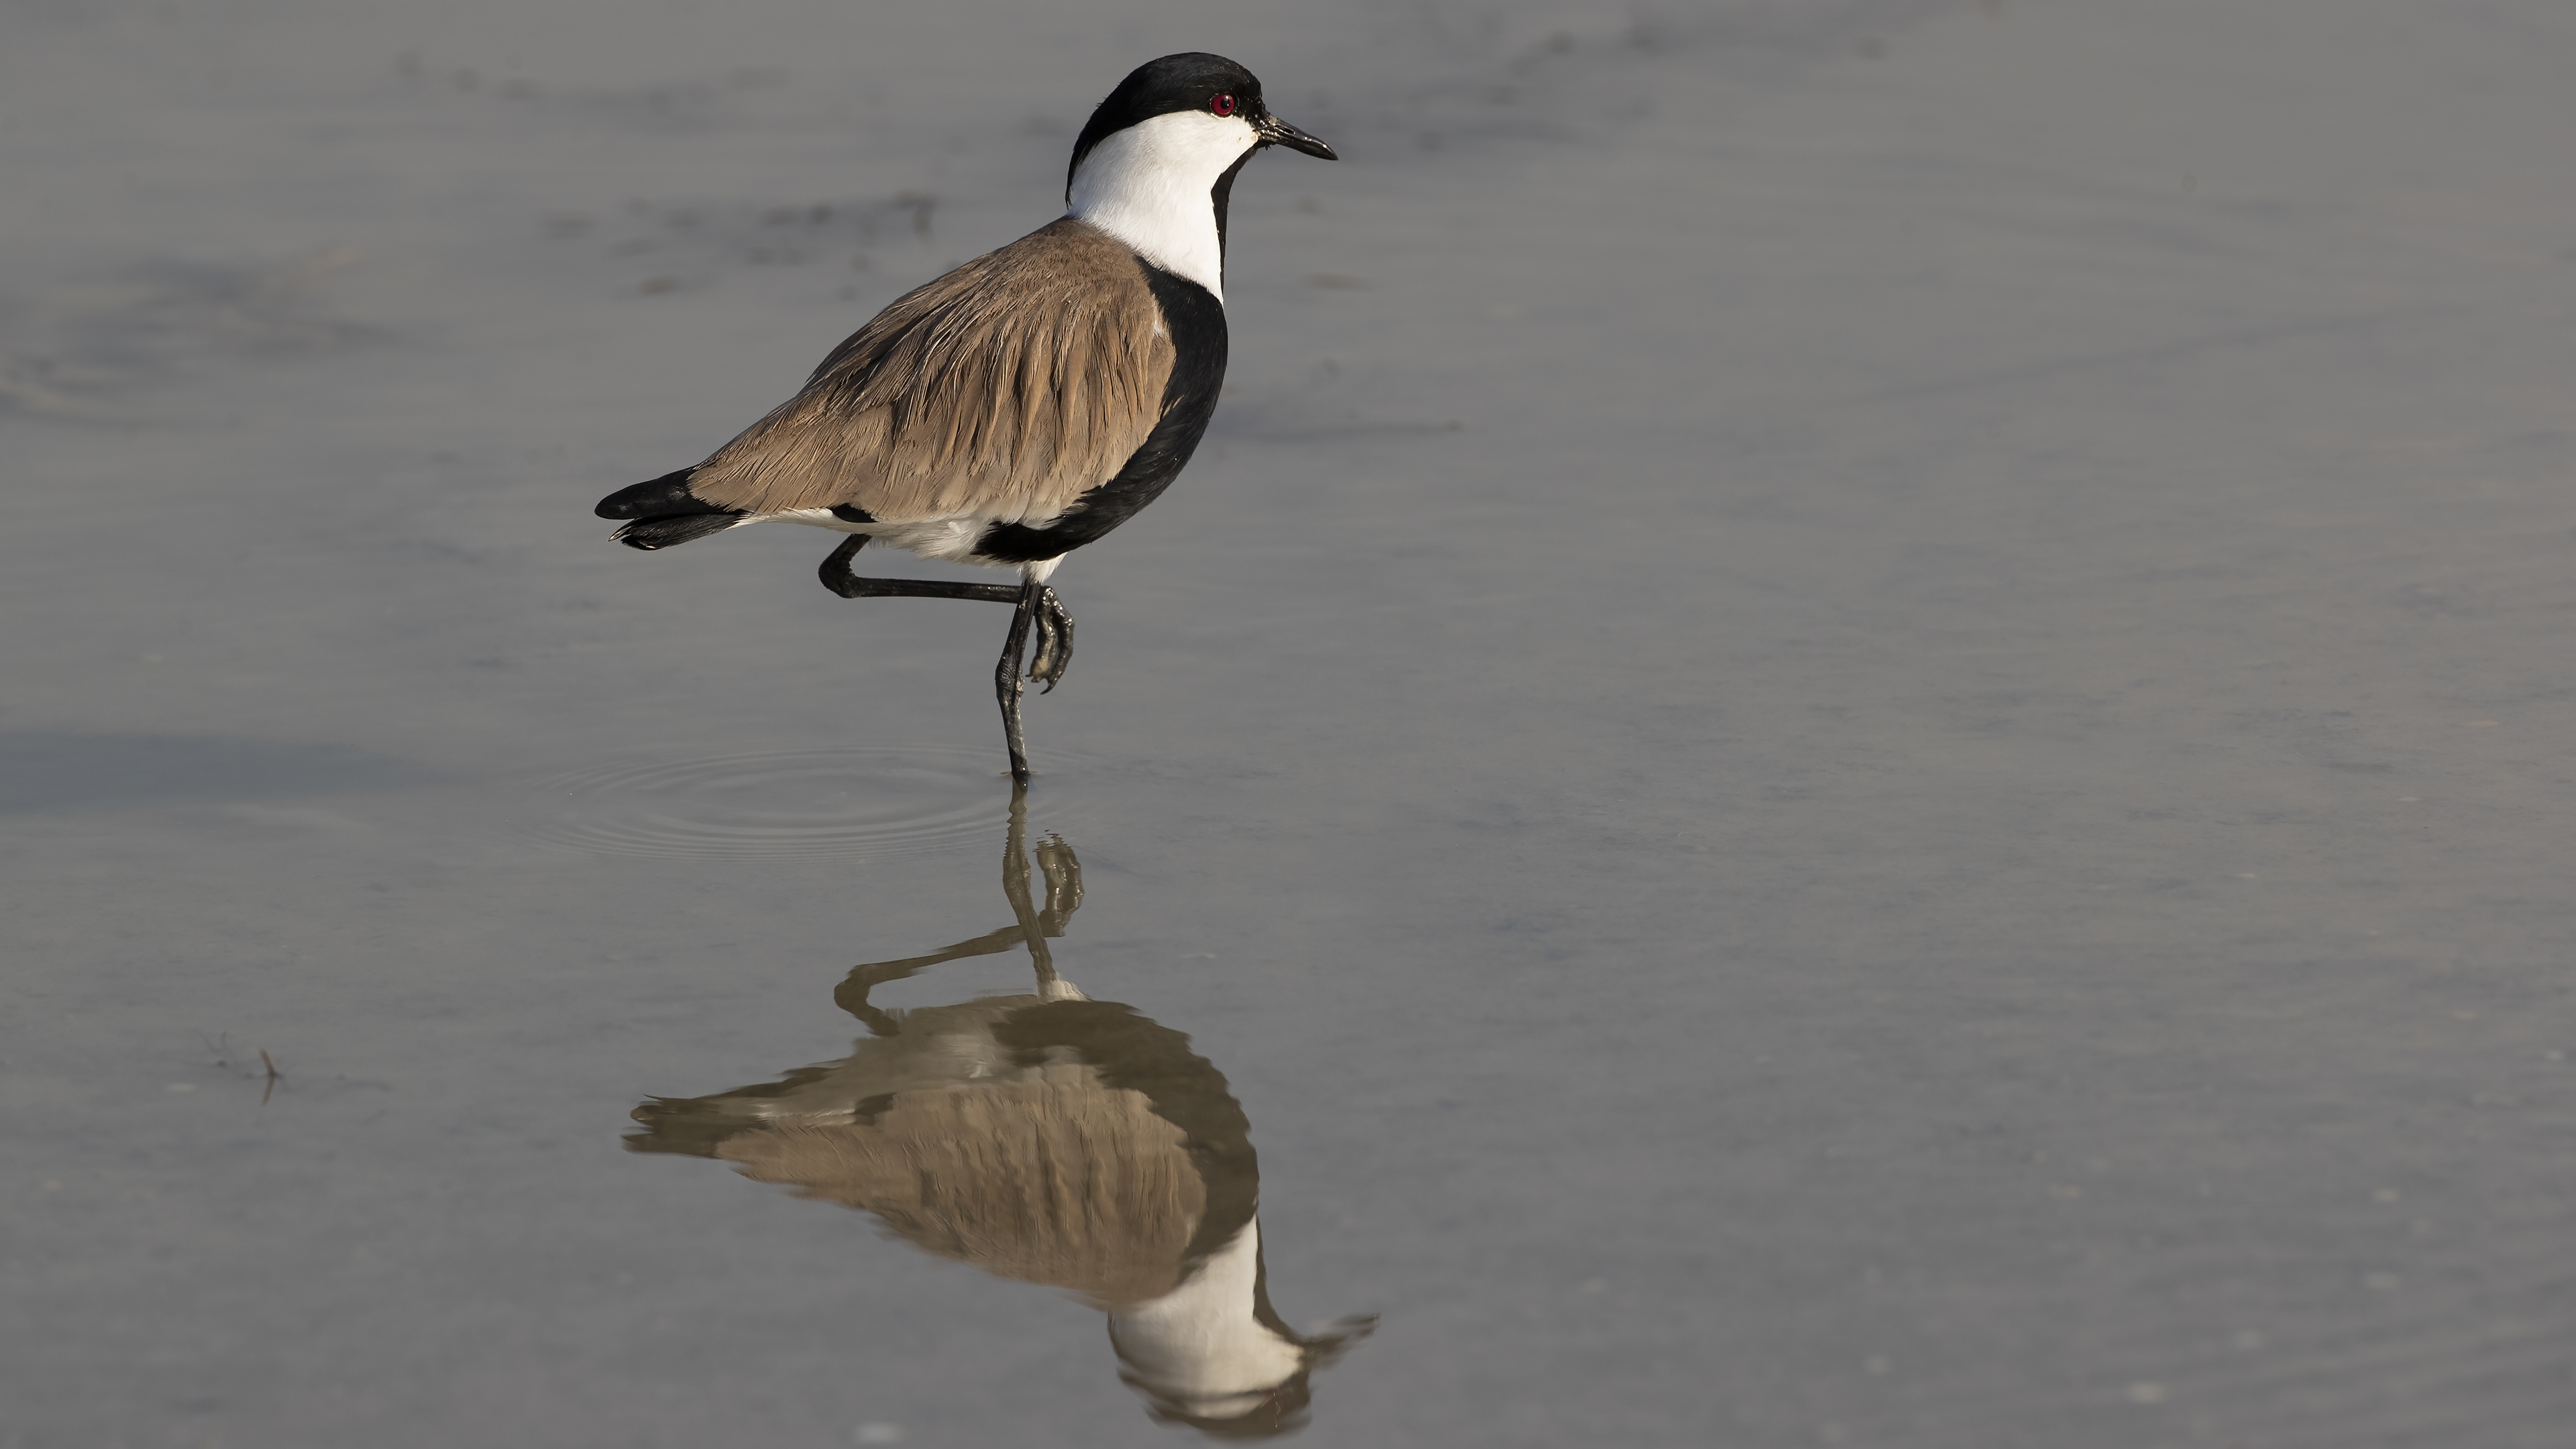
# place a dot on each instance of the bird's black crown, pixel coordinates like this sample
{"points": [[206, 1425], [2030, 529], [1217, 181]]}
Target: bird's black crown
{"points": [[1182, 82]]}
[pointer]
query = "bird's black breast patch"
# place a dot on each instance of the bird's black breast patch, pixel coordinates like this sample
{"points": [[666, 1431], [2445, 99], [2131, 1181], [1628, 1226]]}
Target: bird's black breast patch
{"points": [[1196, 320]]}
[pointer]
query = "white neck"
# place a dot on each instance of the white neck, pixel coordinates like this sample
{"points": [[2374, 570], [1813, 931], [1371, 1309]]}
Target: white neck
{"points": [[1200, 1343], [1151, 186]]}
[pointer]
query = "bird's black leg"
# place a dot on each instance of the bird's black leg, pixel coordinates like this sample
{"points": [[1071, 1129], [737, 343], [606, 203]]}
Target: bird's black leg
{"points": [[1054, 625], [1038, 609], [837, 577], [1006, 679]]}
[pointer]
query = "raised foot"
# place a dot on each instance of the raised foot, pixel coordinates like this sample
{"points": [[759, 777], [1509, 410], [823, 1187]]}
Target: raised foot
{"points": [[1055, 640]]}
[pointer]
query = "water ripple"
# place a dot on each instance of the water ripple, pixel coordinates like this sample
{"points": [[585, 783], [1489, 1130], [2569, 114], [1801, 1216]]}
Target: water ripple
{"points": [[835, 804]]}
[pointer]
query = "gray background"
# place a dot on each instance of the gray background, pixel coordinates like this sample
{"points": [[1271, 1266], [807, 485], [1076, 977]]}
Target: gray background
{"points": [[1857, 732]]}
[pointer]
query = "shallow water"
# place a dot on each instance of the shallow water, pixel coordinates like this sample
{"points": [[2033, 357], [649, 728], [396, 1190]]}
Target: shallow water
{"points": [[1855, 734]]}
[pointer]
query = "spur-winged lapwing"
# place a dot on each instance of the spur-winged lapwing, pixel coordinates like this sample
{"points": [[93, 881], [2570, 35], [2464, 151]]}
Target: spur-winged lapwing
{"points": [[1029, 401]]}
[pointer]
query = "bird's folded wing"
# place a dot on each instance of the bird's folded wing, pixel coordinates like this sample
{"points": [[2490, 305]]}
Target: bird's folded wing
{"points": [[1003, 390]]}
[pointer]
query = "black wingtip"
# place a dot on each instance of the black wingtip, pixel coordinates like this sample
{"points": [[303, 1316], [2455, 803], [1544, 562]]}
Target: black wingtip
{"points": [[666, 494]]}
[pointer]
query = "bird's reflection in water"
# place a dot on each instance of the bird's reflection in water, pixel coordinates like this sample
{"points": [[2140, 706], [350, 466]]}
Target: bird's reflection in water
{"points": [[1048, 1138]]}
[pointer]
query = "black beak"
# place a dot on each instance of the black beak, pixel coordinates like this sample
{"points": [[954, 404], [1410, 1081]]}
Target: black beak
{"points": [[1276, 132]]}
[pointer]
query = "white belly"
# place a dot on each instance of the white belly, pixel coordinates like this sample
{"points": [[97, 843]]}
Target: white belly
{"points": [[947, 540]]}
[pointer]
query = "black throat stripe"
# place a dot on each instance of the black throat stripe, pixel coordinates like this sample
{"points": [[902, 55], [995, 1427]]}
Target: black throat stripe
{"points": [[1196, 320]]}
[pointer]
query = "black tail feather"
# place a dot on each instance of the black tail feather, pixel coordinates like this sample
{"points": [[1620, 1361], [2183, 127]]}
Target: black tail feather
{"points": [[665, 512], [651, 533]]}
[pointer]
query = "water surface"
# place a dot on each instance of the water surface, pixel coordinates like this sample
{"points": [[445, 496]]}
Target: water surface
{"points": [[1856, 733]]}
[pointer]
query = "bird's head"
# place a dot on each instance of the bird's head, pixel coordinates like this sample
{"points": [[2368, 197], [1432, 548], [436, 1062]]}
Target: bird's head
{"points": [[1192, 117]]}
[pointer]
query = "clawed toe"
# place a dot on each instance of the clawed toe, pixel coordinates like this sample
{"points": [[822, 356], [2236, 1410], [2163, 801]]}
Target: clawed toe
{"points": [[1055, 641]]}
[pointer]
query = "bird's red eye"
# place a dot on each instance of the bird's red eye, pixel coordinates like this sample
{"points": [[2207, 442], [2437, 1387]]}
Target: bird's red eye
{"points": [[1221, 105]]}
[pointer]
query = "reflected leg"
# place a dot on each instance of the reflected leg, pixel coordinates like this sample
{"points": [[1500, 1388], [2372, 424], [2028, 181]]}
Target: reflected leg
{"points": [[1033, 924], [1063, 884], [1063, 876], [852, 994]]}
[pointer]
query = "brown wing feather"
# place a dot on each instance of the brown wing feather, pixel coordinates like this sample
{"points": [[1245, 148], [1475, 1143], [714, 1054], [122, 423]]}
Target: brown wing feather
{"points": [[1004, 389]]}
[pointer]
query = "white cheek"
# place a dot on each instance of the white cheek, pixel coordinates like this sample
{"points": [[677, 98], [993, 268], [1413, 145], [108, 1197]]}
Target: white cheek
{"points": [[1150, 186]]}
